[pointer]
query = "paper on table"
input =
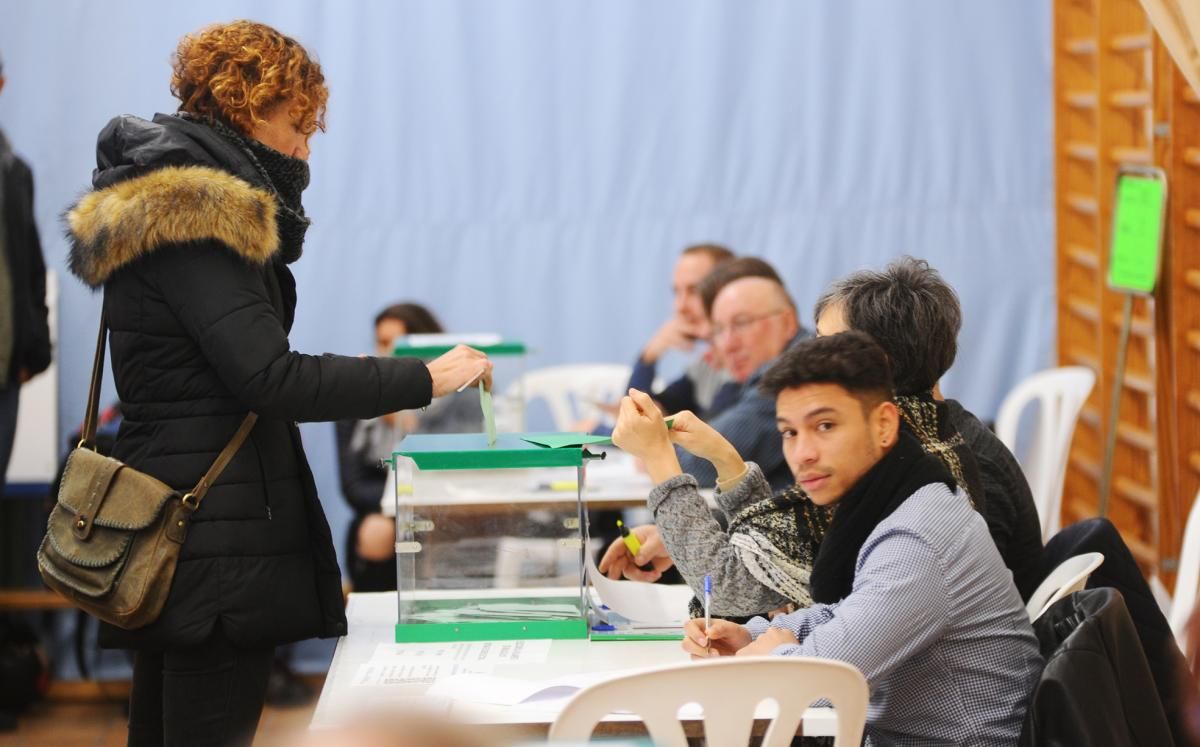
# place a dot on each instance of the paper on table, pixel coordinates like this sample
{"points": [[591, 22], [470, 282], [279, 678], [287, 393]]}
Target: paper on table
{"points": [[510, 691], [489, 413], [399, 664], [415, 671], [563, 440], [532, 651], [664, 605]]}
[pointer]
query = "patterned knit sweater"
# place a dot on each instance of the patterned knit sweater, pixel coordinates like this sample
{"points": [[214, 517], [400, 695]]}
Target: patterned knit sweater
{"points": [[761, 563]]}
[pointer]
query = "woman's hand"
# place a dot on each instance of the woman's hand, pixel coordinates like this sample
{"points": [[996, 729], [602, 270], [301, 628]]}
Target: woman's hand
{"points": [[704, 441], [642, 432], [618, 561], [722, 638], [458, 369]]}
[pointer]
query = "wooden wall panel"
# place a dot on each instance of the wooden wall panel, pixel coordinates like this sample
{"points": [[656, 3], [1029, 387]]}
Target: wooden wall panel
{"points": [[1119, 99]]}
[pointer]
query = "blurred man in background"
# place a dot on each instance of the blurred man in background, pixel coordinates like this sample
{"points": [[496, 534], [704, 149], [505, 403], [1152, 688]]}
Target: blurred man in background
{"points": [[24, 329]]}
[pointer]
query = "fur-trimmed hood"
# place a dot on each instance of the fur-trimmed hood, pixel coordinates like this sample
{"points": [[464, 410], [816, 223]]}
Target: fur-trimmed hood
{"points": [[166, 182]]}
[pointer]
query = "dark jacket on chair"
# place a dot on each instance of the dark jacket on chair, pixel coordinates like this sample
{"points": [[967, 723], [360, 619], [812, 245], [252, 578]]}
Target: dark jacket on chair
{"points": [[1096, 689], [1121, 572], [182, 235]]}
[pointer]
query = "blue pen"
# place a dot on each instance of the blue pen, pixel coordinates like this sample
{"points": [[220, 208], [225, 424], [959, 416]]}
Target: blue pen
{"points": [[707, 604]]}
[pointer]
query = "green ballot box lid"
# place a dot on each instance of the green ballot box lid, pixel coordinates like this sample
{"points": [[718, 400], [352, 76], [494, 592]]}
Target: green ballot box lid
{"points": [[426, 352], [450, 451]]}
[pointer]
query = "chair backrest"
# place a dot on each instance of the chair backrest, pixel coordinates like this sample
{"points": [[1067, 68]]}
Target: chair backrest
{"points": [[1060, 393], [728, 690], [1188, 578], [1069, 577], [570, 391]]}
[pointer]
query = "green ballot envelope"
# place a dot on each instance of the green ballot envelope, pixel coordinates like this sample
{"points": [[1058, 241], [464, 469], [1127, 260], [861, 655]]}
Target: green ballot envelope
{"points": [[483, 550]]}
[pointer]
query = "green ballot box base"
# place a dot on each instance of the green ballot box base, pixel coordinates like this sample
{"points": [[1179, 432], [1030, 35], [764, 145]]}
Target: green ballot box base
{"points": [[458, 621]]}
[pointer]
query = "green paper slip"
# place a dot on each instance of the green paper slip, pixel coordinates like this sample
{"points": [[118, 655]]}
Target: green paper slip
{"points": [[489, 413], [565, 440]]}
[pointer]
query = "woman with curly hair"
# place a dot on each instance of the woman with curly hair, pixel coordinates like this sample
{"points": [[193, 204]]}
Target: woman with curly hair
{"points": [[190, 230]]}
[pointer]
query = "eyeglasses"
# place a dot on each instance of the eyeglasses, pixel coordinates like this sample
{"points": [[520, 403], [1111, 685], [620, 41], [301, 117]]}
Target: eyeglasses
{"points": [[740, 324]]}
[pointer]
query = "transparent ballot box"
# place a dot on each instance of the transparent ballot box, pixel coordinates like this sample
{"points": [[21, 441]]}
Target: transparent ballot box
{"points": [[482, 534]]}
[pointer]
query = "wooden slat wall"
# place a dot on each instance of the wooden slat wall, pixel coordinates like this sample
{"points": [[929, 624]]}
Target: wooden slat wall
{"points": [[1119, 99], [1104, 93], [1178, 153]]}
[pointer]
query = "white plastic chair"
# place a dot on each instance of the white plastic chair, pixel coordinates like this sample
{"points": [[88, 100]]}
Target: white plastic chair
{"points": [[571, 390], [729, 690], [1179, 607], [1060, 393], [1069, 577]]}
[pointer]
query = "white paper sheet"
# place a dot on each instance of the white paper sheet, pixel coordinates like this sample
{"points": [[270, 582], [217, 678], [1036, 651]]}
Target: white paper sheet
{"points": [[661, 605], [510, 691], [532, 651], [406, 664], [414, 671]]}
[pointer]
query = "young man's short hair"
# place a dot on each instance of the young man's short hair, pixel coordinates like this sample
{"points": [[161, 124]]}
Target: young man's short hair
{"points": [[852, 360], [736, 269], [911, 311]]}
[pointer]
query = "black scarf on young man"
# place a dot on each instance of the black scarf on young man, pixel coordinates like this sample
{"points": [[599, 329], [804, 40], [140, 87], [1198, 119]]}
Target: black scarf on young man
{"points": [[903, 471]]}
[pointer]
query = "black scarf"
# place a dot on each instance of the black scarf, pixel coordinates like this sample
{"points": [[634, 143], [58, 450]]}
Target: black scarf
{"points": [[287, 177], [903, 471]]}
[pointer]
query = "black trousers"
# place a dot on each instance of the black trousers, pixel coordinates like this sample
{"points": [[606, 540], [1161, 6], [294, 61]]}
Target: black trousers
{"points": [[209, 695]]}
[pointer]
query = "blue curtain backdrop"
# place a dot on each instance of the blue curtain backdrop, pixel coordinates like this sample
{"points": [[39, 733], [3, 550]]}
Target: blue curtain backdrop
{"points": [[533, 168]]}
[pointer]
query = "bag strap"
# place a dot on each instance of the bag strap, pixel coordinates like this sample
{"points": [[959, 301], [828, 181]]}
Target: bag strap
{"points": [[93, 404], [235, 443], [91, 418]]}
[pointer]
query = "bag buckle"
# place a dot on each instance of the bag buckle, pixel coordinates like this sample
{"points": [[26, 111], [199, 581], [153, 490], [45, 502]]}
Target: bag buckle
{"points": [[82, 526], [192, 504]]}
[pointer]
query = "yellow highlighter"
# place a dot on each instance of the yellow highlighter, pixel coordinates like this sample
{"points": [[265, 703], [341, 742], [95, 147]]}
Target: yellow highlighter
{"points": [[632, 542]]}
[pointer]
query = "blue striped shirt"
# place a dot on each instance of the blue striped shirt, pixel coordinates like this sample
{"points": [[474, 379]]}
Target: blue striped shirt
{"points": [[935, 624]]}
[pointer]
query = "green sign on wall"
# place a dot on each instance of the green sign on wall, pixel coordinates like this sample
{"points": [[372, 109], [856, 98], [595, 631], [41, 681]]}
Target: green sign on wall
{"points": [[1137, 230]]}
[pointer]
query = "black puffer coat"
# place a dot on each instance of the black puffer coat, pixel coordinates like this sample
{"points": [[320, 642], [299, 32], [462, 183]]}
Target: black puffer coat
{"points": [[182, 235]]}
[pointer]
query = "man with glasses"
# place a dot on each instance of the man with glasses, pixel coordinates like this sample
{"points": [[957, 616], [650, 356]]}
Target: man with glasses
{"points": [[753, 321]]}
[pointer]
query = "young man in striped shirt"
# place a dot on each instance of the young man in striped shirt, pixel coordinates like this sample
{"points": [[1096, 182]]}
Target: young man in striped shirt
{"points": [[909, 586]]}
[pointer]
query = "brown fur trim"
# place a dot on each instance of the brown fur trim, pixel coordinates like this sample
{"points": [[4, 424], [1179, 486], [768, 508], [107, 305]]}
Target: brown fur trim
{"points": [[114, 226]]}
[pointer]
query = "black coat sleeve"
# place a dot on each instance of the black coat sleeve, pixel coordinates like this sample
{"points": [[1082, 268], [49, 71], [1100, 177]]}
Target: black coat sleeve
{"points": [[35, 336], [222, 302], [362, 483]]}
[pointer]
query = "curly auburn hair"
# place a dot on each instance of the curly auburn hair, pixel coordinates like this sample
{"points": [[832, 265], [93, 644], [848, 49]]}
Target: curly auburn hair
{"points": [[238, 72]]}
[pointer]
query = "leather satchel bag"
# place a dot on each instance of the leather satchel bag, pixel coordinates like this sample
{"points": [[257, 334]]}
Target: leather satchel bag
{"points": [[114, 535]]}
